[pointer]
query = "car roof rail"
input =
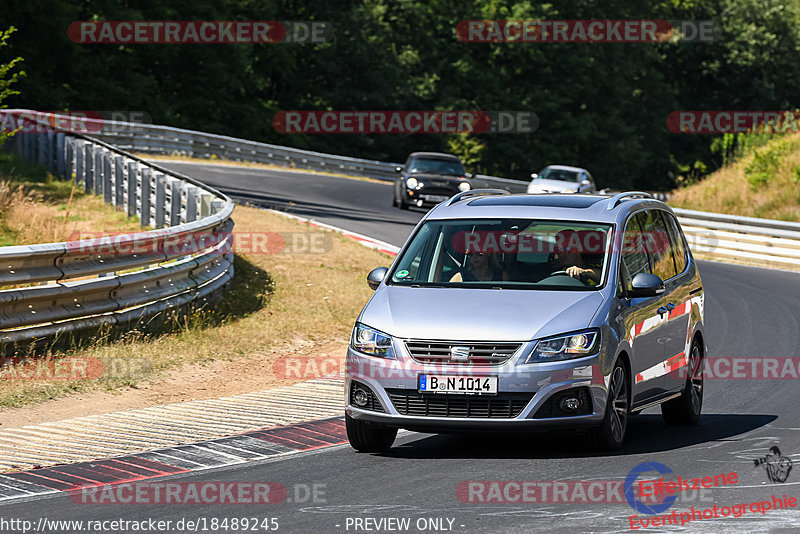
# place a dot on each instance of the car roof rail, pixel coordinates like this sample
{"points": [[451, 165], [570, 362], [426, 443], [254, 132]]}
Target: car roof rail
{"points": [[617, 199], [476, 193]]}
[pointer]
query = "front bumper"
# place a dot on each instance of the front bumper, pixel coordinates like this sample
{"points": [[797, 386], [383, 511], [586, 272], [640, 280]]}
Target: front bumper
{"points": [[428, 196], [391, 380]]}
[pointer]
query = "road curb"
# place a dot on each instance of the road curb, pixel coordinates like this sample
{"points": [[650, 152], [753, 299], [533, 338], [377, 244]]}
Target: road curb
{"points": [[110, 435]]}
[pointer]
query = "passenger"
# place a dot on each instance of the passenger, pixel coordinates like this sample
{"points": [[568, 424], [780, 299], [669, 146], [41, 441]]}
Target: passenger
{"points": [[481, 267]]}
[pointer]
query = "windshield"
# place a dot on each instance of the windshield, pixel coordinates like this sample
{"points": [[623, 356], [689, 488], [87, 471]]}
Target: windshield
{"points": [[438, 166], [559, 174], [505, 253]]}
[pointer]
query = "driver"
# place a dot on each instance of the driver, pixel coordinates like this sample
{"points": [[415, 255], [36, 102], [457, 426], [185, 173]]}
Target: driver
{"points": [[568, 257]]}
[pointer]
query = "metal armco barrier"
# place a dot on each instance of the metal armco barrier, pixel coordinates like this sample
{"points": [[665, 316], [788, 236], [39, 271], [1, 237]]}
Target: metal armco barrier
{"points": [[731, 237], [53, 288]]}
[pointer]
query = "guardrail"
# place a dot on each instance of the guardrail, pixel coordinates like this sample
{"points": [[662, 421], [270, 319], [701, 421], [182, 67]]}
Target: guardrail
{"points": [[54, 288], [748, 239], [154, 139]]}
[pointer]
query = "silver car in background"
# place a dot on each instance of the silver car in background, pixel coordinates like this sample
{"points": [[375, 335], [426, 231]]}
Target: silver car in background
{"points": [[562, 179], [527, 312]]}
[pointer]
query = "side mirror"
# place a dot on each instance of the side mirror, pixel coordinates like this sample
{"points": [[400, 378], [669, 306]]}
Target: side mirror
{"points": [[585, 182], [469, 175], [645, 285], [376, 276], [398, 169], [534, 175]]}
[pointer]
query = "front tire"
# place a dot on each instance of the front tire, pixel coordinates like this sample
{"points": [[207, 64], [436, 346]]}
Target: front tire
{"points": [[610, 435], [685, 410], [367, 437]]}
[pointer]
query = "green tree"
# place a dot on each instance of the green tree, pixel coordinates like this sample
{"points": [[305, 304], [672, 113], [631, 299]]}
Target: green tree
{"points": [[8, 77]]}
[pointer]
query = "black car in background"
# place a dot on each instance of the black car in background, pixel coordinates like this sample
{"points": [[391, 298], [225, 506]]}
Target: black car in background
{"points": [[428, 178]]}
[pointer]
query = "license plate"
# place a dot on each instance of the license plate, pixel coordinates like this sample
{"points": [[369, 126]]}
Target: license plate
{"points": [[469, 385], [435, 198]]}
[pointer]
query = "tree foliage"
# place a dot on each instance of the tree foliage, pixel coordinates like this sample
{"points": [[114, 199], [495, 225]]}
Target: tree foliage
{"points": [[602, 106]]}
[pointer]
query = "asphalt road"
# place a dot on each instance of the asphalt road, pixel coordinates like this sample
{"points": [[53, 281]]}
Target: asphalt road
{"points": [[749, 313]]}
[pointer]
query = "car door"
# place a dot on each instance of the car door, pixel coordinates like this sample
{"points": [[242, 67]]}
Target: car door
{"points": [[642, 321], [679, 309]]}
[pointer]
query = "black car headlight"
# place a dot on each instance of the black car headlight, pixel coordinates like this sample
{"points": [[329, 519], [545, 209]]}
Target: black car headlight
{"points": [[371, 342], [566, 347]]}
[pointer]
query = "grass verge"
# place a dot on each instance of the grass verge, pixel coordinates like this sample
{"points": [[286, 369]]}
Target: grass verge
{"points": [[765, 183]]}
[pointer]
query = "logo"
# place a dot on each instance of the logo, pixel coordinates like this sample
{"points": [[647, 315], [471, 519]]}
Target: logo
{"points": [[630, 484], [459, 354], [777, 466]]}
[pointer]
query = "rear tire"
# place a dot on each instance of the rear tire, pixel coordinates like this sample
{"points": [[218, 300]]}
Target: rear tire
{"points": [[368, 437], [685, 410], [610, 435]]}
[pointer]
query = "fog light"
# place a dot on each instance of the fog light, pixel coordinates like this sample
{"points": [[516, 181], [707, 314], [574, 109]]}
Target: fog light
{"points": [[360, 397], [570, 404]]}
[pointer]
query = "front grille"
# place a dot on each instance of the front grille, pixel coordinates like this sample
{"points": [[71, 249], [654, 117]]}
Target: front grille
{"points": [[489, 353], [373, 403], [503, 405], [552, 408]]}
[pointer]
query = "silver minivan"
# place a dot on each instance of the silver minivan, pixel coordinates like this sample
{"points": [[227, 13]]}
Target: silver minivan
{"points": [[524, 312]]}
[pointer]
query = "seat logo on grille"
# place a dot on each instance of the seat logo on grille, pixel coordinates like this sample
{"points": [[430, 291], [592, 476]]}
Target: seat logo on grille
{"points": [[459, 354]]}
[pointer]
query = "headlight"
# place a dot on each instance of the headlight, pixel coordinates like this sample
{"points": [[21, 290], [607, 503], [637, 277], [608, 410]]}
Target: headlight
{"points": [[464, 186], [566, 347], [372, 342], [411, 183]]}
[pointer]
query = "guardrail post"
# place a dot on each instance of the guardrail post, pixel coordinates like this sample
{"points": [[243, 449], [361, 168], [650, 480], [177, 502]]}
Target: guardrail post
{"points": [[98, 170], [191, 204], [205, 205], [147, 183], [175, 203], [119, 181], [60, 159], [79, 169], [69, 158], [41, 148], [133, 182], [161, 199], [26, 145], [108, 178], [88, 182]]}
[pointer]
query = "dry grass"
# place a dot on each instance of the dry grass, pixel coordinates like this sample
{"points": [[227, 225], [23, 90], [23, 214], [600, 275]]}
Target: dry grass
{"points": [[279, 302], [36, 208], [763, 184]]}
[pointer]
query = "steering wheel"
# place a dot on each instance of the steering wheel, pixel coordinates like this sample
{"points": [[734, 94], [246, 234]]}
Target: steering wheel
{"points": [[558, 272]]}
